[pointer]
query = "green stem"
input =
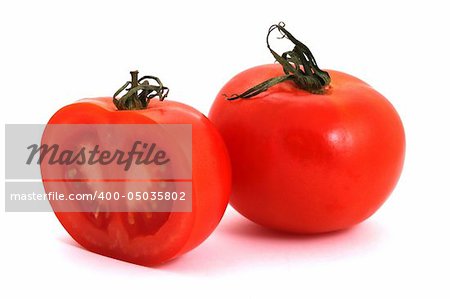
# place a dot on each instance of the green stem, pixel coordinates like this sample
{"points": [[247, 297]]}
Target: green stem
{"points": [[139, 92], [298, 65]]}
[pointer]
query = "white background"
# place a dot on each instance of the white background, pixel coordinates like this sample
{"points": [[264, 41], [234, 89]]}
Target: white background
{"points": [[55, 52]]}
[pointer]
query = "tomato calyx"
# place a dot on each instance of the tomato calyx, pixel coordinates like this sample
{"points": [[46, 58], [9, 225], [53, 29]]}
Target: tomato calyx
{"points": [[139, 92], [298, 64]]}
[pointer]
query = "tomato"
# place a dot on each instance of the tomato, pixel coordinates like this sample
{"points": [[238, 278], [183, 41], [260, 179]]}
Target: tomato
{"points": [[309, 162], [146, 238]]}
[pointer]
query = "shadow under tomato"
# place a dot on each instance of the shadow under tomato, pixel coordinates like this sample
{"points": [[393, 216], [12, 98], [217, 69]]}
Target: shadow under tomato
{"points": [[240, 243]]}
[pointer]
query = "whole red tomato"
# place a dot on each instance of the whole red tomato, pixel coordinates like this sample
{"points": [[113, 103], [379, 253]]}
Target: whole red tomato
{"points": [[146, 238], [308, 161]]}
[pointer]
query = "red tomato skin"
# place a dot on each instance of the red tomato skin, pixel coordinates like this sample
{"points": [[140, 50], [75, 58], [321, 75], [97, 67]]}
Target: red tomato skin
{"points": [[309, 163], [211, 184]]}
